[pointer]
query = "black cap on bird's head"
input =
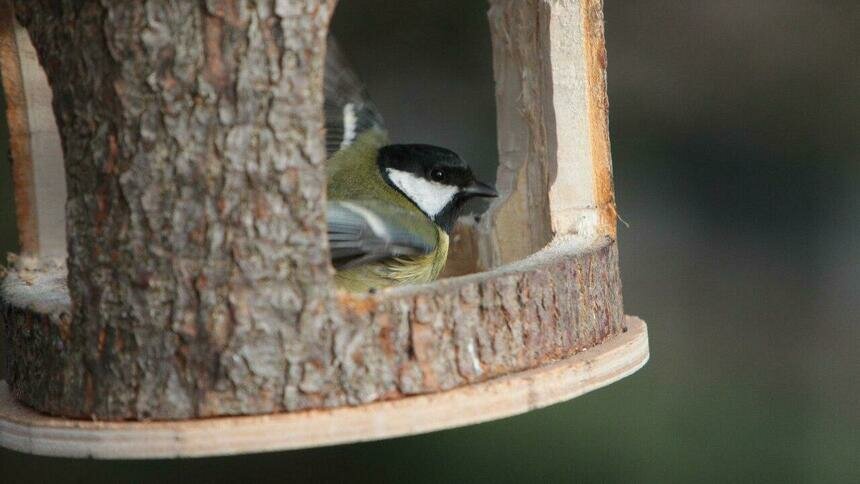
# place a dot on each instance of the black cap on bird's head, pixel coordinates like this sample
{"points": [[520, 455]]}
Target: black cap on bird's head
{"points": [[435, 179]]}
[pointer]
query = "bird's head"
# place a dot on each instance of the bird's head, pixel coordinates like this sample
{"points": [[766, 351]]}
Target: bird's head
{"points": [[435, 179]]}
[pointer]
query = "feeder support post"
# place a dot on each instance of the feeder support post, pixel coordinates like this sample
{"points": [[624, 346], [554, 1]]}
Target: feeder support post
{"points": [[555, 167], [192, 134]]}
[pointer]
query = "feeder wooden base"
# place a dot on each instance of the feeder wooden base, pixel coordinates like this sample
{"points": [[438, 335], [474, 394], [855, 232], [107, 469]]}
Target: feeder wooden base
{"points": [[24, 430]]}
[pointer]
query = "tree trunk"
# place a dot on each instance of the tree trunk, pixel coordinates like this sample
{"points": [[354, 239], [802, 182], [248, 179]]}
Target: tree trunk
{"points": [[192, 135]]}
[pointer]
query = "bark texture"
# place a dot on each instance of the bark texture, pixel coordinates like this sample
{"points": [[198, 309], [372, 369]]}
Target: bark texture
{"points": [[198, 270], [402, 342], [192, 135], [469, 329]]}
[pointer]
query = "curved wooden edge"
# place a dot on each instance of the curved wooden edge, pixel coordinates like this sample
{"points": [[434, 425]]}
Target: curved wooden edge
{"points": [[24, 430], [393, 344]]}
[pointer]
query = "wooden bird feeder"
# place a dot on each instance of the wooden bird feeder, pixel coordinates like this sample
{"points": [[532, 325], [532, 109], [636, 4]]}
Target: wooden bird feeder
{"points": [[175, 297]]}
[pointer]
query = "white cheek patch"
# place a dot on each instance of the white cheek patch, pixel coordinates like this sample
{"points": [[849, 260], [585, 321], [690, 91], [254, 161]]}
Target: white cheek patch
{"points": [[373, 221], [431, 197]]}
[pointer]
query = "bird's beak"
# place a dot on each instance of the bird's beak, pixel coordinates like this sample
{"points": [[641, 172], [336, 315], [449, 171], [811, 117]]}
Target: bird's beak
{"points": [[479, 189]]}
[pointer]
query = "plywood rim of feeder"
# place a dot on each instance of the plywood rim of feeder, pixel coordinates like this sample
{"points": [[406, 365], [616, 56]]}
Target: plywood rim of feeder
{"points": [[25, 430]]}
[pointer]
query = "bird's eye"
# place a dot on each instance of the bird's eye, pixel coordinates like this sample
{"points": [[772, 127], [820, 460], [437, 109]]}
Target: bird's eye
{"points": [[437, 174]]}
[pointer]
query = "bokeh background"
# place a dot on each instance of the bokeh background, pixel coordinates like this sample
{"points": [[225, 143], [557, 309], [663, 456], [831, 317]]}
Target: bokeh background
{"points": [[736, 135]]}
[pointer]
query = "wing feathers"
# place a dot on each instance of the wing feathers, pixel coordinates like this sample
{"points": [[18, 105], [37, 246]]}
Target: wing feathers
{"points": [[365, 231], [348, 109]]}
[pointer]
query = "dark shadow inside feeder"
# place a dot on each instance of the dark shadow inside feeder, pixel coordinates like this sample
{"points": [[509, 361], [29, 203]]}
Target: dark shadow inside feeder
{"points": [[431, 82]]}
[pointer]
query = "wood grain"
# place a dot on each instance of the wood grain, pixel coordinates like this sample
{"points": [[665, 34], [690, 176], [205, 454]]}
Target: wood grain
{"points": [[555, 173], [34, 144], [598, 116], [24, 430], [19, 133]]}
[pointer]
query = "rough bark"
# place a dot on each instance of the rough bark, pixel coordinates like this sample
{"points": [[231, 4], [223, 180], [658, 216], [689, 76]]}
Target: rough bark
{"points": [[469, 329], [192, 135], [198, 271], [24, 430], [403, 342]]}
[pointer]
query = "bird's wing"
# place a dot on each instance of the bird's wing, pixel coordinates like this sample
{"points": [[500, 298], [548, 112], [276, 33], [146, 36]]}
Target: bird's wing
{"points": [[348, 109], [364, 231]]}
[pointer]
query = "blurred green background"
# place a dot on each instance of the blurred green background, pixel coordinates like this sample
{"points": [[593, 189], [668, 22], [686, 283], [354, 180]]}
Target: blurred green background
{"points": [[735, 134]]}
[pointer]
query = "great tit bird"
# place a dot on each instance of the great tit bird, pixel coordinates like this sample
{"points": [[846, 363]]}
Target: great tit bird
{"points": [[391, 206]]}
